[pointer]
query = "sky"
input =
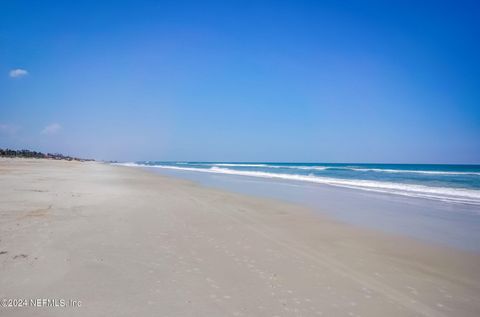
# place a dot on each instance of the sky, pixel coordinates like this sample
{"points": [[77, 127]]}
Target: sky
{"points": [[271, 81]]}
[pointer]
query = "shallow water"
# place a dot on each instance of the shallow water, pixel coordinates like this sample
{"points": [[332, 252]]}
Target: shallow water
{"points": [[451, 183], [447, 223]]}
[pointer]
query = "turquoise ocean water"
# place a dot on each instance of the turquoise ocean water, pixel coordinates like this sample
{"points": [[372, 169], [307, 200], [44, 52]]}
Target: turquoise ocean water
{"points": [[449, 183]]}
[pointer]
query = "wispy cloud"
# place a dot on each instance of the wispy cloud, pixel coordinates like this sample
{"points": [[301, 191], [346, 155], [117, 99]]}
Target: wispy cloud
{"points": [[52, 128], [18, 73], [8, 129]]}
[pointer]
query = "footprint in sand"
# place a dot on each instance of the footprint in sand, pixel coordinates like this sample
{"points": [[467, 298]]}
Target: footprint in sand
{"points": [[23, 256]]}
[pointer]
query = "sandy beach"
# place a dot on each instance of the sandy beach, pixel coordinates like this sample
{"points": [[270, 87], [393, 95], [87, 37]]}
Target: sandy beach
{"points": [[125, 242]]}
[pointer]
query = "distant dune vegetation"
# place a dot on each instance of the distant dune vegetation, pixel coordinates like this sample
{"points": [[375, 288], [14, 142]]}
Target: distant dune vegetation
{"points": [[35, 154]]}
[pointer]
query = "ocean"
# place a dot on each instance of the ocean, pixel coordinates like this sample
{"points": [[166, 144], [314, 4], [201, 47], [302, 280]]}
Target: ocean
{"points": [[458, 184]]}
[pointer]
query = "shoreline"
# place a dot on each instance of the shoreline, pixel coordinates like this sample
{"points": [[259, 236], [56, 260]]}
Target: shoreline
{"points": [[105, 234], [450, 224], [376, 178]]}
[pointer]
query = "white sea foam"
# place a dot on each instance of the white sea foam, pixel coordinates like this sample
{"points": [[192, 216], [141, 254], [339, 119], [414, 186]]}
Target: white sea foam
{"points": [[131, 164], [333, 167], [459, 195], [409, 171], [318, 168]]}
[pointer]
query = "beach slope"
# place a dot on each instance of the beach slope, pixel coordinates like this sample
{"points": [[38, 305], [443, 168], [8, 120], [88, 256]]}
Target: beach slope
{"points": [[120, 241]]}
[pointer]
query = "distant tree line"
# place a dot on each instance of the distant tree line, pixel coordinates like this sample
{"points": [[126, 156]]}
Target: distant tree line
{"points": [[35, 154]]}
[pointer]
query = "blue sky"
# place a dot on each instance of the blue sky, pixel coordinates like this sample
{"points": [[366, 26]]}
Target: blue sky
{"points": [[324, 81]]}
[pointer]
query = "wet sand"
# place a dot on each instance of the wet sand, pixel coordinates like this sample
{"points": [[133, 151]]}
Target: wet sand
{"points": [[126, 242]]}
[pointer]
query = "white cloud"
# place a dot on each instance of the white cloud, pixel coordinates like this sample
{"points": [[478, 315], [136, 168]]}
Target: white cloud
{"points": [[51, 128], [18, 72]]}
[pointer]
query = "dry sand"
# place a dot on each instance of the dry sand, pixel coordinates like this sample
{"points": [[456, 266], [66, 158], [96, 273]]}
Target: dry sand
{"points": [[126, 242]]}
